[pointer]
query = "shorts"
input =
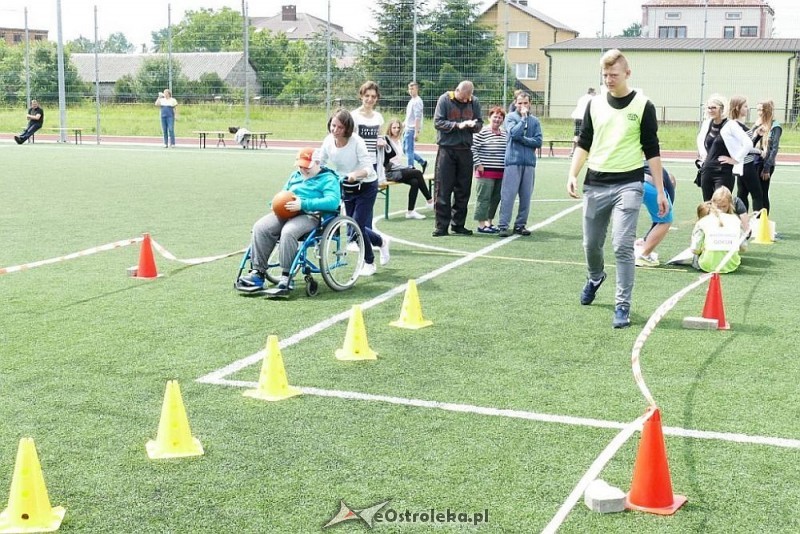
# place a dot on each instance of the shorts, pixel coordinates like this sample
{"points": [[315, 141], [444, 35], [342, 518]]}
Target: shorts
{"points": [[578, 124], [650, 201]]}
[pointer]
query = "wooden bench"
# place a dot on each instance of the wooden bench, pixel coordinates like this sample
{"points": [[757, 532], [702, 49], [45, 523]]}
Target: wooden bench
{"points": [[383, 190], [553, 142], [77, 132], [258, 138], [205, 133]]}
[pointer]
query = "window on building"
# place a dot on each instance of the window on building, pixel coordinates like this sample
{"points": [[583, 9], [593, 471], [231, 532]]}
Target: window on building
{"points": [[672, 32], [728, 32], [526, 71], [733, 15], [17, 38], [518, 39], [748, 31], [38, 37], [672, 16]]}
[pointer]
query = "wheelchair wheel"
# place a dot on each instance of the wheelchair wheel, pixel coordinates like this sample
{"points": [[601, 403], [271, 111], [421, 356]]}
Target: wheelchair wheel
{"points": [[339, 266], [312, 287]]}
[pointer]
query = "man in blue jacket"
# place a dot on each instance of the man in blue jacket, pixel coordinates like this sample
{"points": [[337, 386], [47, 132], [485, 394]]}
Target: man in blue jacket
{"points": [[317, 190], [523, 137]]}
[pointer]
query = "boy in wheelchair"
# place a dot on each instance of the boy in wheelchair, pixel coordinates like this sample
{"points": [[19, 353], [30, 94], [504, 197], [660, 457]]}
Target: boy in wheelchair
{"points": [[317, 190]]}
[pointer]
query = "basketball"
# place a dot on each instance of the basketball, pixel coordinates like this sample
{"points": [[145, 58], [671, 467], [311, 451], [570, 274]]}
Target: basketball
{"points": [[279, 205]]}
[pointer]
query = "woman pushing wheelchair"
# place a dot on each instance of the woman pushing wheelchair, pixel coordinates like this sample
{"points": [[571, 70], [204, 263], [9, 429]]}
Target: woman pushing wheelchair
{"points": [[317, 192]]}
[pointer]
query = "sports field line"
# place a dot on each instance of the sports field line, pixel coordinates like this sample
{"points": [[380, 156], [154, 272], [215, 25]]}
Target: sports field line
{"points": [[771, 441], [255, 358]]}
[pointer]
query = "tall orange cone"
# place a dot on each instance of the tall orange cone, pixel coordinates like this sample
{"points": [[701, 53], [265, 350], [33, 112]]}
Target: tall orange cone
{"points": [[763, 230], [651, 487], [147, 264], [355, 340], [272, 383], [29, 507], [174, 439], [411, 312], [713, 308]]}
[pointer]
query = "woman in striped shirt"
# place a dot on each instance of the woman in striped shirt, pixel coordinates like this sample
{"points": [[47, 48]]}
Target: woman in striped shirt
{"points": [[488, 153]]}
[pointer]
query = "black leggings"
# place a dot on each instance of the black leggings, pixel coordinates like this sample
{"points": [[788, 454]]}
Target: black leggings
{"points": [[749, 184], [714, 176], [416, 182], [765, 186]]}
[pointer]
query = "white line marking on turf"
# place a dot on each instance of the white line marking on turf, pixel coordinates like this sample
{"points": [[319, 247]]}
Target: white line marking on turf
{"points": [[594, 471], [215, 376], [530, 416]]}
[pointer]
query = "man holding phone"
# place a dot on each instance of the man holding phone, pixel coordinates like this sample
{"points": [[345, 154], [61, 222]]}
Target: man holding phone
{"points": [[457, 117]]}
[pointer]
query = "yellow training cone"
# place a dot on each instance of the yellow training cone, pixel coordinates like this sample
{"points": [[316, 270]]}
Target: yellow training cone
{"points": [[272, 383], [411, 312], [174, 439], [355, 340], [29, 507], [763, 230]]}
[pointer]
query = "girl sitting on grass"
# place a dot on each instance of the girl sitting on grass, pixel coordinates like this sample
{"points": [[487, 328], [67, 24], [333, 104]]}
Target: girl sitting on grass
{"points": [[717, 232]]}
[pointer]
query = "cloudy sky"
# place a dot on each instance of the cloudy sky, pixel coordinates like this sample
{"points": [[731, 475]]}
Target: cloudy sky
{"points": [[137, 19]]}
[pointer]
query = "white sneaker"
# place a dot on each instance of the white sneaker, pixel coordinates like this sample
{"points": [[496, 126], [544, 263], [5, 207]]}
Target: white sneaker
{"points": [[352, 246], [647, 260], [368, 269], [413, 214], [385, 250], [430, 203]]}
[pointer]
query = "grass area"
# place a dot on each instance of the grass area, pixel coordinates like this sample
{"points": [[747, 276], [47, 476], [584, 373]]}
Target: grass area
{"points": [[292, 123], [87, 351]]}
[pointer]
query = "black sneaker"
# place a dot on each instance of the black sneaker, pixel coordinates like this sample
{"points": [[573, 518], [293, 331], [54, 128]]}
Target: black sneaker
{"points": [[505, 232], [590, 290], [460, 230], [18, 139], [622, 317], [521, 230], [439, 233], [424, 167]]}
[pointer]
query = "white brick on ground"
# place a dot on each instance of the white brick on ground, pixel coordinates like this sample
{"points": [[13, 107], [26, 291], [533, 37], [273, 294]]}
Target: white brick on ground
{"points": [[602, 498], [700, 323]]}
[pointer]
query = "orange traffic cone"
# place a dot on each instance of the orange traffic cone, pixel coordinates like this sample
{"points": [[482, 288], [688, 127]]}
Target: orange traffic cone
{"points": [[651, 487], [714, 309], [147, 264]]}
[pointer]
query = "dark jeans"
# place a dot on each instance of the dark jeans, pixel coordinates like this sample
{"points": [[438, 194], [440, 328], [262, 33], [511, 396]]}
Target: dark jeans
{"points": [[32, 128], [359, 204], [714, 176], [749, 184], [765, 185], [453, 186], [415, 181]]}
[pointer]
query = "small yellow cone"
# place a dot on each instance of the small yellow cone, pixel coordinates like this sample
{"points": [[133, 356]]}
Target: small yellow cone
{"points": [[411, 312], [174, 439], [29, 507], [355, 340], [272, 383], [763, 229]]}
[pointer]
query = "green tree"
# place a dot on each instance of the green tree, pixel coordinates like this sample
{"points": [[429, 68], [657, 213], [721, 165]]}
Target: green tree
{"points": [[125, 89], [205, 30], [153, 77], [634, 30], [270, 56]]}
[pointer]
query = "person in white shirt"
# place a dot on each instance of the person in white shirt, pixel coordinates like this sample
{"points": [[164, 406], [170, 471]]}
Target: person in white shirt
{"points": [[347, 153], [168, 106], [413, 124]]}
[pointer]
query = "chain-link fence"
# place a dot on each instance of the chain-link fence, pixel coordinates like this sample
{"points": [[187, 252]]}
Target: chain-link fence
{"points": [[679, 56]]}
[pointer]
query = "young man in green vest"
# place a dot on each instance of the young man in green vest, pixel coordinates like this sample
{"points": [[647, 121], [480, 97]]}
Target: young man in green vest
{"points": [[618, 127]]}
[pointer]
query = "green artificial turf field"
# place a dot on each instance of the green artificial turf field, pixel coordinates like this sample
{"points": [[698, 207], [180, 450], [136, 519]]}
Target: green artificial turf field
{"points": [[498, 409]]}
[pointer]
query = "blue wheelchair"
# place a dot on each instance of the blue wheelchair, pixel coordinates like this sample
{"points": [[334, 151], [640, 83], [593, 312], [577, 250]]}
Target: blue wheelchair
{"points": [[334, 249]]}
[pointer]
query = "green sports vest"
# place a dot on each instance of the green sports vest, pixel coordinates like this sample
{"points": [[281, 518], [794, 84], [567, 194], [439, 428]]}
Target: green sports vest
{"points": [[616, 144]]}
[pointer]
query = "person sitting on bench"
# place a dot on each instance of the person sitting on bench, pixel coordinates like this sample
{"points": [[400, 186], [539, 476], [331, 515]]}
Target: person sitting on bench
{"points": [[35, 118]]}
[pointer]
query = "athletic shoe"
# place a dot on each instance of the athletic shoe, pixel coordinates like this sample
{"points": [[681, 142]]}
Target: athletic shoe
{"points": [[440, 233], [18, 139], [254, 279], [424, 167], [487, 230], [647, 260], [460, 230], [385, 250], [622, 317], [521, 230], [430, 203], [590, 289], [352, 246], [414, 215], [368, 269], [505, 232]]}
